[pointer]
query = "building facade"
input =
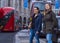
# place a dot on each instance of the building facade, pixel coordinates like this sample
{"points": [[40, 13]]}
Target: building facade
{"points": [[19, 6]]}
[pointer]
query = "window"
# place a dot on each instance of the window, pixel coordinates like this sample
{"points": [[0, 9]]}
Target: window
{"points": [[24, 20], [8, 2], [20, 19], [20, 5]]}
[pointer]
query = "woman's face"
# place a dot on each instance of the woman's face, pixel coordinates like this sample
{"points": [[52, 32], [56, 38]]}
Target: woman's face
{"points": [[47, 7], [35, 10]]}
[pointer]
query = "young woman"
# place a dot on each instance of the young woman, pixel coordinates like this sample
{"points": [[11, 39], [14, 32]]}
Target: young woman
{"points": [[49, 22], [35, 25]]}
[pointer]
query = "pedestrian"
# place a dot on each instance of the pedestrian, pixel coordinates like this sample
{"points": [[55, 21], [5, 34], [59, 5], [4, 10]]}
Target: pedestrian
{"points": [[35, 25], [50, 23]]}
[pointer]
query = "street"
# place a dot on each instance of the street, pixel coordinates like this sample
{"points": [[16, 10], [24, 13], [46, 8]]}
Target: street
{"points": [[7, 37], [17, 14], [19, 37], [23, 37]]}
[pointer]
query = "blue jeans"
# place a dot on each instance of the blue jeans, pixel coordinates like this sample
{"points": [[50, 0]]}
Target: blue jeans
{"points": [[49, 38], [32, 34]]}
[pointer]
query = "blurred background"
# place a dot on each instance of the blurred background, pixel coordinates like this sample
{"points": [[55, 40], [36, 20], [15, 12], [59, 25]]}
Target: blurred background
{"points": [[24, 7], [15, 17]]}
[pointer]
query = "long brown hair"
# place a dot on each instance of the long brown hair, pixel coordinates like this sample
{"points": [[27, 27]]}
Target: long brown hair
{"points": [[49, 5], [50, 9]]}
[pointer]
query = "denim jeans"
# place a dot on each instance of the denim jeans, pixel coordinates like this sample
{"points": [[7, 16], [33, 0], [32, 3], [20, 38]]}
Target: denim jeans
{"points": [[49, 38], [32, 34]]}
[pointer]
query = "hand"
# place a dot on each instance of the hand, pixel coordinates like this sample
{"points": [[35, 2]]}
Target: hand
{"points": [[37, 32], [44, 12], [29, 25]]}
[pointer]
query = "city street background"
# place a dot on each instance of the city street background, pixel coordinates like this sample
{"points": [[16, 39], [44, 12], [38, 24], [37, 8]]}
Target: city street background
{"points": [[24, 7]]}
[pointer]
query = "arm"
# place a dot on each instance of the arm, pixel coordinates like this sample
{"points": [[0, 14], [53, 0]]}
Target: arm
{"points": [[29, 26], [55, 21], [39, 23]]}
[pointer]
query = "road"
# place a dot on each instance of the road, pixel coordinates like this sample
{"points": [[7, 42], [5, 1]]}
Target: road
{"points": [[7, 37], [23, 37], [19, 37]]}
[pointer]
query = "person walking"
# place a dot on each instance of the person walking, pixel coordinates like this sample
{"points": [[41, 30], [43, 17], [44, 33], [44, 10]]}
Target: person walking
{"points": [[35, 25], [50, 22]]}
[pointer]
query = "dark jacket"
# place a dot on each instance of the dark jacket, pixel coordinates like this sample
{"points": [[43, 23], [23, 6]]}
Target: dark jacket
{"points": [[37, 22], [49, 22]]}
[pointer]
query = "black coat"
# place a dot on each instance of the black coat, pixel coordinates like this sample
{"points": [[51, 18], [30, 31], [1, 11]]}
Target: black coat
{"points": [[37, 22], [49, 22]]}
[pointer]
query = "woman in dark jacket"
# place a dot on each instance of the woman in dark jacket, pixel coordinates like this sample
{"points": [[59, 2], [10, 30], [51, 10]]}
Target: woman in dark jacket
{"points": [[35, 25], [49, 22]]}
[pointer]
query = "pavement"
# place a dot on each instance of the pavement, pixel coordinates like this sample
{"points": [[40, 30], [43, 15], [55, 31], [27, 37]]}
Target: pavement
{"points": [[23, 37], [19, 37], [7, 37]]}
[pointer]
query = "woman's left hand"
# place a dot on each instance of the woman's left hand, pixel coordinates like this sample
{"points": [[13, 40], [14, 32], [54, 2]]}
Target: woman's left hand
{"points": [[37, 32]]}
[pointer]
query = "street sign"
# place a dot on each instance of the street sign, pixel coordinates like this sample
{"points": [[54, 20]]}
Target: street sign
{"points": [[25, 3]]}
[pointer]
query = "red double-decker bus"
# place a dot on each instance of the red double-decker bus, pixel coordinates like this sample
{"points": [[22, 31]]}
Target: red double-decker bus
{"points": [[8, 21]]}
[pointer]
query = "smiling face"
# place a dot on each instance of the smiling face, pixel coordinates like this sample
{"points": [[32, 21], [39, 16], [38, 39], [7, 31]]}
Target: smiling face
{"points": [[47, 7], [36, 10]]}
